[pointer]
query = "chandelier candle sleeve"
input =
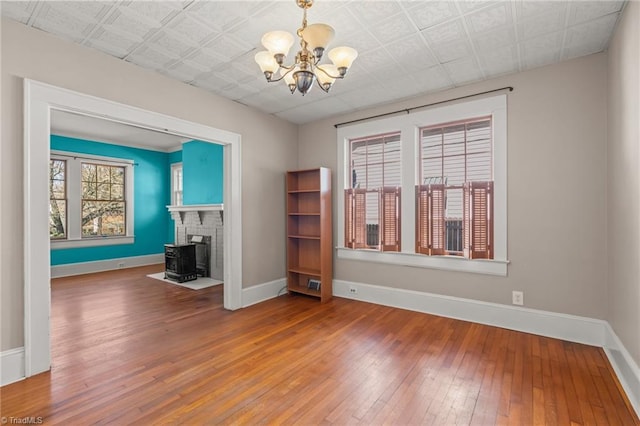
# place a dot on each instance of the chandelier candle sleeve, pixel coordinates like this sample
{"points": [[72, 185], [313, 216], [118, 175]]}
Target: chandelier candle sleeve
{"points": [[306, 68]]}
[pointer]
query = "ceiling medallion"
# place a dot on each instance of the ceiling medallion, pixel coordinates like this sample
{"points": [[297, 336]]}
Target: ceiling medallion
{"points": [[306, 69]]}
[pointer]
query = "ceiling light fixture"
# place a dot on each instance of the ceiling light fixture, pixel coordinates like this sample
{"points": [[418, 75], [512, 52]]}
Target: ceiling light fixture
{"points": [[306, 69]]}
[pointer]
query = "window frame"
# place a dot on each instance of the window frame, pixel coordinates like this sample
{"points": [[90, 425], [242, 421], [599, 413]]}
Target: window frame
{"points": [[97, 200], [409, 126], [380, 193], [466, 188], [174, 199], [74, 237]]}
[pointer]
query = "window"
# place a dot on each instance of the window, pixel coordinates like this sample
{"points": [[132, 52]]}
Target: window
{"points": [[372, 203], [454, 194], [57, 199], [91, 200], [103, 204], [176, 184], [452, 160]]}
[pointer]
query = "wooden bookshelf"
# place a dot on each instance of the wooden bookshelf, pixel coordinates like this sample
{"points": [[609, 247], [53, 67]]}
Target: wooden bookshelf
{"points": [[309, 232]]}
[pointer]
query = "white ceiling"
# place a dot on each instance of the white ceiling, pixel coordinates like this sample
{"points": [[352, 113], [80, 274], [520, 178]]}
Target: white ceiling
{"points": [[100, 130], [405, 47]]}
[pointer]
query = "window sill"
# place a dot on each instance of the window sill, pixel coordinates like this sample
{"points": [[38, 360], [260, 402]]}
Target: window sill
{"points": [[91, 242], [447, 263]]}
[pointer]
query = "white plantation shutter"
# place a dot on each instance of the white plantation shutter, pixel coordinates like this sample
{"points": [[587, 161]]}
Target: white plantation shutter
{"points": [[430, 220]]}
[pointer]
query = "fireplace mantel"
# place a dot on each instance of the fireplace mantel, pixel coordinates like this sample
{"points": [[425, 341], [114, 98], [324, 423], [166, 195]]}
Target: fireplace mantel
{"points": [[178, 212], [196, 208]]}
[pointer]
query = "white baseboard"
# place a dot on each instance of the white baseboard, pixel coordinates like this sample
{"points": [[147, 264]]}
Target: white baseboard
{"points": [[11, 366], [625, 367], [261, 292], [70, 269], [560, 326]]}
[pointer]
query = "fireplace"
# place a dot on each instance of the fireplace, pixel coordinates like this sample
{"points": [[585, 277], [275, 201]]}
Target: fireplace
{"points": [[202, 225], [180, 262], [203, 250]]}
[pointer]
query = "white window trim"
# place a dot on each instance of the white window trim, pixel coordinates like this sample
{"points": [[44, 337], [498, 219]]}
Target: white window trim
{"points": [[74, 209], [409, 126], [174, 167]]}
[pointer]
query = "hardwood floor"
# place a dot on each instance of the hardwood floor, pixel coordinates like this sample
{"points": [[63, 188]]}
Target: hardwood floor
{"points": [[131, 349]]}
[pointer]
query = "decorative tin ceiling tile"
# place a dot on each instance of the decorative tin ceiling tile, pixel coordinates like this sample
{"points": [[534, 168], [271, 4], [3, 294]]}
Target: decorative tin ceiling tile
{"points": [[374, 13], [463, 71], [19, 11], [426, 14], [450, 31], [405, 46], [588, 10], [490, 18], [412, 52]]}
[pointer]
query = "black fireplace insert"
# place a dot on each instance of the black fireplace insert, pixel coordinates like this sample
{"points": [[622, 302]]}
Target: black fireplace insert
{"points": [[180, 262]]}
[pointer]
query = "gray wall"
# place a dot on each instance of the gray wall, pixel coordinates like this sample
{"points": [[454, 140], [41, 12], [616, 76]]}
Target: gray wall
{"points": [[556, 193], [269, 148], [623, 191]]}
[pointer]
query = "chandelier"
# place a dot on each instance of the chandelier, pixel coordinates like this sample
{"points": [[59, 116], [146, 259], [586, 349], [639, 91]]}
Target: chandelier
{"points": [[306, 69]]}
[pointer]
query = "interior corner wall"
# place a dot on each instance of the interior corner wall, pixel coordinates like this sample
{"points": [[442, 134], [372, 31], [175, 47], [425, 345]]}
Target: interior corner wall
{"points": [[151, 196], [268, 149], [556, 179], [623, 191]]}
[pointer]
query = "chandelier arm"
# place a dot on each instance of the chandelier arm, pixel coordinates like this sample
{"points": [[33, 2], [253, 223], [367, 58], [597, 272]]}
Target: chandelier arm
{"points": [[289, 69], [322, 87], [327, 74]]}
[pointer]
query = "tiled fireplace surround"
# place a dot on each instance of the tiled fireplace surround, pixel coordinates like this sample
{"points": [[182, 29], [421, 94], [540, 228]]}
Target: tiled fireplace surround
{"points": [[204, 220]]}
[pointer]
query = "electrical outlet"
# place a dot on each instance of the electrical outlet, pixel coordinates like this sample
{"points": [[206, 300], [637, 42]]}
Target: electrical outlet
{"points": [[121, 265], [517, 298], [353, 290]]}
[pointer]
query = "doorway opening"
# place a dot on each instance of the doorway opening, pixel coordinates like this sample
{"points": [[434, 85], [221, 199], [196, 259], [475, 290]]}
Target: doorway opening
{"points": [[39, 101]]}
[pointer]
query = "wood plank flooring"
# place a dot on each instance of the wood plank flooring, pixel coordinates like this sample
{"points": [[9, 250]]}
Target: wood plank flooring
{"points": [[131, 349]]}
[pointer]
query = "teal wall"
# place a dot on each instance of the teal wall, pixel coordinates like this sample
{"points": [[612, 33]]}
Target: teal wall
{"points": [[202, 173], [175, 157], [152, 193]]}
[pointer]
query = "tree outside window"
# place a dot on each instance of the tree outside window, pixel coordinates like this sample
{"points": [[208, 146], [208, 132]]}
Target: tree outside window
{"points": [[57, 199], [103, 200]]}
